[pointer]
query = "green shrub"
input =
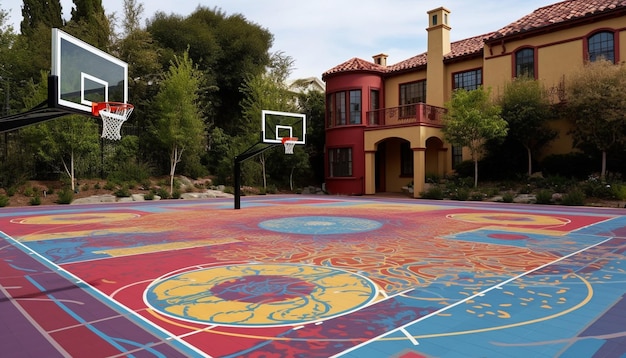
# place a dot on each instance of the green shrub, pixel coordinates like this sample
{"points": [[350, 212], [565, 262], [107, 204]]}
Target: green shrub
{"points": [[176, 194], [544, 196], [163, 193], [109, 185], [571, 165], [29, 191], [123, 192], [85, 187], [149, 195], [619, 191], [462, 194], [4, 200], [66, 195], [229, 190], [11, 191], [35, 200], [96, 186], [508, 197], [271, 189], [574, 197], [477, 196], [434, 192]]}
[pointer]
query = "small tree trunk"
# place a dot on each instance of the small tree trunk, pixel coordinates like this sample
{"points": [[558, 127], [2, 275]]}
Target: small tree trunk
{"points": [[174, 159], [475, 173], [603, 172], [530, 161], [291, 178], [262, 161]]}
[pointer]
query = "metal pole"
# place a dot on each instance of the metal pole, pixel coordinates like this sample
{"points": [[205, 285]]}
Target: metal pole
{"points": [[237, 183]]}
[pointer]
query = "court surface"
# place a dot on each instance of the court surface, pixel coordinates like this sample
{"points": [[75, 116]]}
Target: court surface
{"points": [[312, 276]]}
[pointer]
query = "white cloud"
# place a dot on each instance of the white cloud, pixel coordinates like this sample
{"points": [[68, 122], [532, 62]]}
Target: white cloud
{"points": [[320, 34]]}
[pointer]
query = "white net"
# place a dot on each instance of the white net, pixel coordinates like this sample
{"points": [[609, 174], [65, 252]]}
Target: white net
{"points": [[289, 144], [113, 116]]}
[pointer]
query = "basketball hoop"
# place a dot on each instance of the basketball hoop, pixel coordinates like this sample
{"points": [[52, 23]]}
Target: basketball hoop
{"points": [[113, 115], [289, 143]]}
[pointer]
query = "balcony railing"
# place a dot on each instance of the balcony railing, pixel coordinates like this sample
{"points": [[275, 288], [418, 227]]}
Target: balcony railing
{"points": [[417, 114]]}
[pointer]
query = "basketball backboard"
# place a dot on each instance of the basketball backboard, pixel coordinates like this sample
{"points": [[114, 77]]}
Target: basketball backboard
{"points": [[278, 125], [85, 74]]}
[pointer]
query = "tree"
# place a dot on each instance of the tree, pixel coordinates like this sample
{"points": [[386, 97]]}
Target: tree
{"points": [[226, 48], [267, 91], [526, 109], [180, 127], [37, 12], [472, 119], [596, 104], [90, 24], [65, 140]]}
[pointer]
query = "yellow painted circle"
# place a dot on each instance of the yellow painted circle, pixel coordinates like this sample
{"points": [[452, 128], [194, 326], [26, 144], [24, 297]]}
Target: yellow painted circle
{"points": [[510, 219], [74, 219], [259, 295]]}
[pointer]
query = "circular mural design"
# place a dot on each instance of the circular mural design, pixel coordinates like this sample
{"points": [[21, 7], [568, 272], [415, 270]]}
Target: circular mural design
{"points": [[76, 218], [320, 225], [510, 219], [259, 295]]}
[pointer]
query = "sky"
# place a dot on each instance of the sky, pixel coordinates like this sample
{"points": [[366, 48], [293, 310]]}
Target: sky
{"points": [[321, 34]]}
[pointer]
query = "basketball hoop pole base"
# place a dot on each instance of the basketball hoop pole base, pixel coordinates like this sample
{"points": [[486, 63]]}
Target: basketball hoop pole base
{"points": [[247, 154]]}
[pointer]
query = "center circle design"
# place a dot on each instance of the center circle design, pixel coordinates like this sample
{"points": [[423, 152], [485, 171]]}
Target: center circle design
{"points": [[320, 225], [260, 295], [263, 289]]}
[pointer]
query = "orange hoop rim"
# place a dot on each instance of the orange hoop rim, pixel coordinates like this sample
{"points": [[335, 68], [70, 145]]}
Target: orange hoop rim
{"points": [[289, 139], [96, 107]]}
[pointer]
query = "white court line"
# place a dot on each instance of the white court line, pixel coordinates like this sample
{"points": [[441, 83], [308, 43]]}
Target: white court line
{"points": [[479, 294]]}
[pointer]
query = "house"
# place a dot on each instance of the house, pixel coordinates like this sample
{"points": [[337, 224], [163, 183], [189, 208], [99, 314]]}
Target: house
{"points": [[383, 122]]}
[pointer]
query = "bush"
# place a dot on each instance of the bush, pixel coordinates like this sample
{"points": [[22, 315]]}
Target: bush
{"points": [[149, 195], [574, 197], [433, 192], [85, 187], [163, 193], [462, 194], [4, 200], [35, 200], [477, 196], [122, 192], [176, 194], [508, 197], [66, 195], [544, 196]]}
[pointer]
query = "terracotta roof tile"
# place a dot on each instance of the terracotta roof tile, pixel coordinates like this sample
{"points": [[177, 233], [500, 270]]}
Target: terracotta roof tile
{"points": [[543, 17], [355, 64], [557, 14]]}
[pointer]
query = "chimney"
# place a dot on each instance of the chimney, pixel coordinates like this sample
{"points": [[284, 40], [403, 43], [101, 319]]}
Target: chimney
{"points": [[380, 59], [438, 46]]}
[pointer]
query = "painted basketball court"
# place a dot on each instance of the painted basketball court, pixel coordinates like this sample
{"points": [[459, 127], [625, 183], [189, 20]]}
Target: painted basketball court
{"points": [[313, 276]]}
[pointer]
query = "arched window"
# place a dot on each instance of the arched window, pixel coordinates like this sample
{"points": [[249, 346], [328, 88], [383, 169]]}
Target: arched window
{"points": [[601, 46], [525, 63]]}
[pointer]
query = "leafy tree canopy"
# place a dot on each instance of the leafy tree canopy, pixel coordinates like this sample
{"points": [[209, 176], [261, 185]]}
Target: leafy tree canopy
{"points": [[596, 105]]}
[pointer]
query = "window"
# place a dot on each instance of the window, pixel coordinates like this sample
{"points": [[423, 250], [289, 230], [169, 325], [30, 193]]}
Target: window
{"points": [[525, 63], [339, 104], [457, 155], [434, 20], [411, 93], [601, 46], [340, 162], [340, 109], [406, 160], [469, 80], [355, 107], [374, 107]]}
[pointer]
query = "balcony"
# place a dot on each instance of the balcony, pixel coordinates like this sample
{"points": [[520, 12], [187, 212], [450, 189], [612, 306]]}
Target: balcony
{"points": [[419, 114]]}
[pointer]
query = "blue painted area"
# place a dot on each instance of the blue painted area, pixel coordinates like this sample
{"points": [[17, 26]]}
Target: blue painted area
{"points": [[320, 225]]}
